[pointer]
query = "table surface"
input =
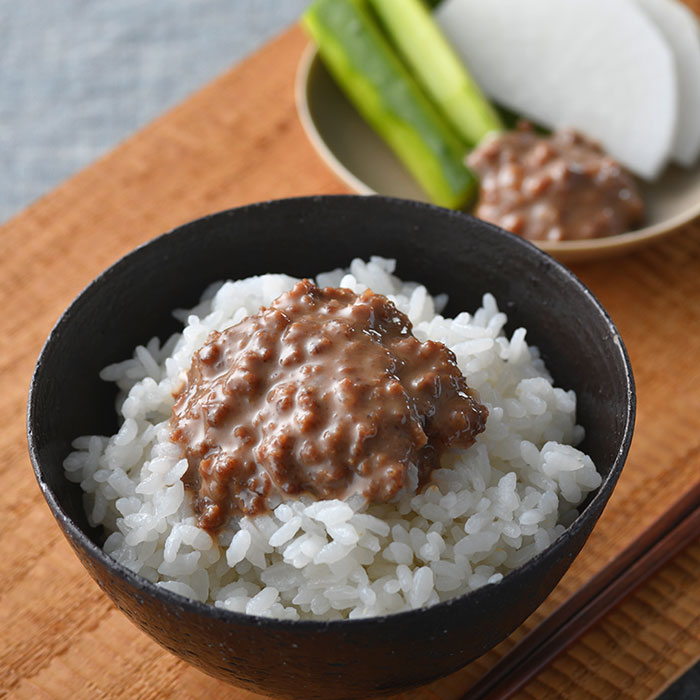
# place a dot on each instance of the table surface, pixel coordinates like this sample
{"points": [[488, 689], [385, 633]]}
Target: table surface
{"points": [[62, 638]]}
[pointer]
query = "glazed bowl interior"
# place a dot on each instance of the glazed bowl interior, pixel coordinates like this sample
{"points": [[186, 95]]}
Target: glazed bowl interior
{"points": [[448, 252]]}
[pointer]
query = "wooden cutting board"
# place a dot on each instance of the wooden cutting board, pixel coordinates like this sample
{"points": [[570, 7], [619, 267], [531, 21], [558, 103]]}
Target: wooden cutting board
{"points": [[239, 141]]}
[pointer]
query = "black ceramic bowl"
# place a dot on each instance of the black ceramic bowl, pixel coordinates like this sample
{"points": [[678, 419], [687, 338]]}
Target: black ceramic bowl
{"points": [[448, 252]]}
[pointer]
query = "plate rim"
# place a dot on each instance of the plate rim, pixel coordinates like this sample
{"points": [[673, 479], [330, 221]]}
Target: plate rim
{"points": [[592, 245]]}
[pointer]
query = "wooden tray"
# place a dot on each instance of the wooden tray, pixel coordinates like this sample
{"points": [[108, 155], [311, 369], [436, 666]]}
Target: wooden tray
{"points": [[238, 141]]}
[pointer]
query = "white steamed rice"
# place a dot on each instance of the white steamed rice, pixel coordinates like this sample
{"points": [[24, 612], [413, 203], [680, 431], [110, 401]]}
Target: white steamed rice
{"points": [[491, 508]]}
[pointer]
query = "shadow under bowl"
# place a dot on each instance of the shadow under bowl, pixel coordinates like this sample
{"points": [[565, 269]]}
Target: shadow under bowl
{"points": [[448, 252]]}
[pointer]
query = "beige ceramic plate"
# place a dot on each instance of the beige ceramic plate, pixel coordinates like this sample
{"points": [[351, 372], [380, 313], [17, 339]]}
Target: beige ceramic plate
{"points": [[360, 158]]}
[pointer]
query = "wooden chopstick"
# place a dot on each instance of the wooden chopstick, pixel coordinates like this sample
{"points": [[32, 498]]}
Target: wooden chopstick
{"points": [[670, 533]]}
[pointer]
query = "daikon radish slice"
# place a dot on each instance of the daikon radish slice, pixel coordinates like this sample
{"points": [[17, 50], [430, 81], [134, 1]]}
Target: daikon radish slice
{"points": [[601, 66], [680, 27]]}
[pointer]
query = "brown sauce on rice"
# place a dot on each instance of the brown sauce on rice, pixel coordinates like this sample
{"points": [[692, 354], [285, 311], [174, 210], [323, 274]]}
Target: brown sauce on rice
{"points": [[325, 392]]}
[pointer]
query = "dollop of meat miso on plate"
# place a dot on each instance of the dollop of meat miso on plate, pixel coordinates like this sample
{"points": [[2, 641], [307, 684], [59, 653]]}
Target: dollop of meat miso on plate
{"points": [[552, 188], [325, 392]]}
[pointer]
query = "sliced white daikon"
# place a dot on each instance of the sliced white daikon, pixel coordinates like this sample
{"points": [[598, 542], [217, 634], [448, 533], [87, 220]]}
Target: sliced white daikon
{"points": [[680, 27], [601, 66]]}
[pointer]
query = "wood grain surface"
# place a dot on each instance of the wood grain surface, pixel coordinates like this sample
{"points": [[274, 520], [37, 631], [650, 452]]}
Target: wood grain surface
{"points": [[237, 141]]}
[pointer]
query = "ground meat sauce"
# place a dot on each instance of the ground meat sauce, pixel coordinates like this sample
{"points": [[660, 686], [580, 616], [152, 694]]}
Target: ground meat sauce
{"points": [[558, 187], [325, 392]]}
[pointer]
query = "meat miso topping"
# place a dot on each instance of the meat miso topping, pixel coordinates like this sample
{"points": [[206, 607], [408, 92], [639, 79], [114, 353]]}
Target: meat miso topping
{"points": [[325, 392], [560, 187]]}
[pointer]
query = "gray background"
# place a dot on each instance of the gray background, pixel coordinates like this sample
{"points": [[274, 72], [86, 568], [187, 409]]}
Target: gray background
{"points": [[78, 76]]}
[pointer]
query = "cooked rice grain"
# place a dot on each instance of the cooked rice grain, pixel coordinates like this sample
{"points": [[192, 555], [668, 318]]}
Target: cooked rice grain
{"points": [[489, 509]]}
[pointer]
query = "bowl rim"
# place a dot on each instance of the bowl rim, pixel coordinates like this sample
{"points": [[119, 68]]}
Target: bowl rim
{"points": [[655, 231], [77, 536]]}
